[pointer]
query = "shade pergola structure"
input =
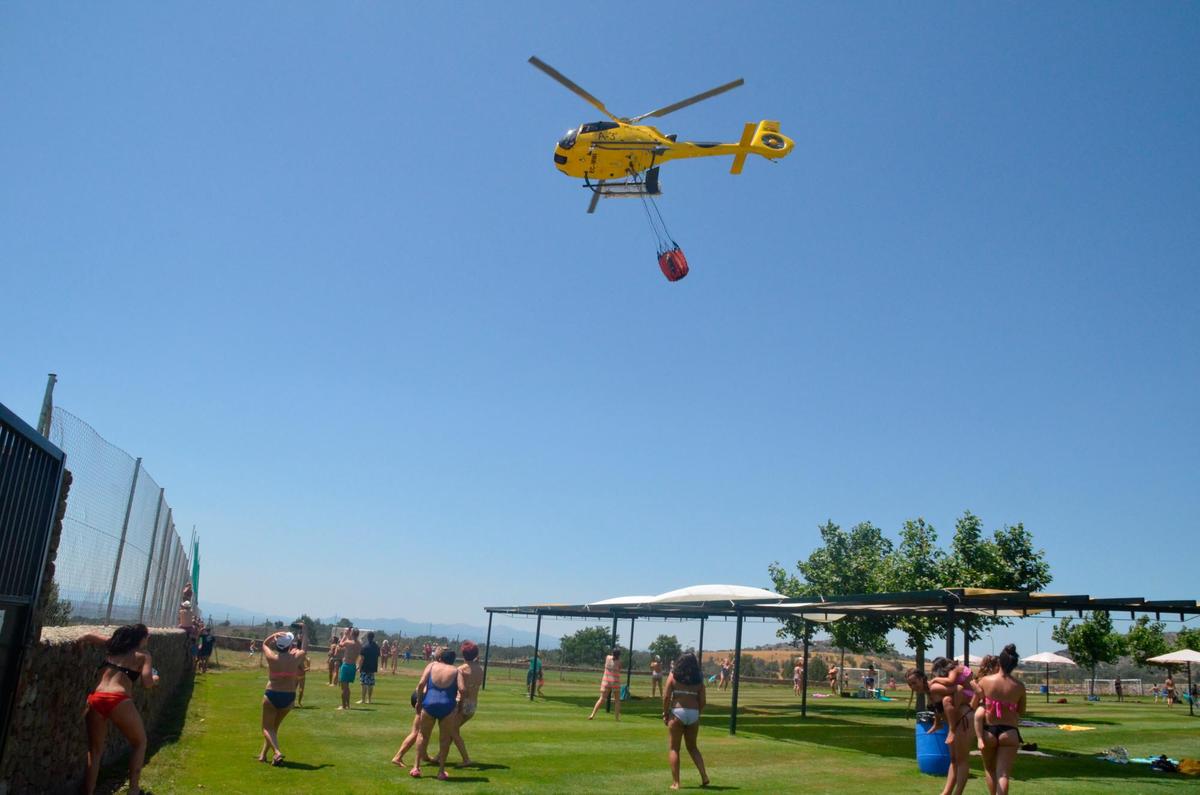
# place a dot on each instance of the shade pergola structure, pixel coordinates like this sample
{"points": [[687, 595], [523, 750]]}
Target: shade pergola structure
{"points": [[1048, 658], [958, 607], [1181, 657]]}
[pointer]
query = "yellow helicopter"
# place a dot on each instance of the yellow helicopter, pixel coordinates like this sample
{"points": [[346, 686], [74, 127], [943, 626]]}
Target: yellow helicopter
{"points": [[624, 150]]}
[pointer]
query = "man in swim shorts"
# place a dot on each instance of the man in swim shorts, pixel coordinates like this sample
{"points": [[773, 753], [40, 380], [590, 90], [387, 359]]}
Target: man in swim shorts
{"points": [[350, 649], [370, 665]]}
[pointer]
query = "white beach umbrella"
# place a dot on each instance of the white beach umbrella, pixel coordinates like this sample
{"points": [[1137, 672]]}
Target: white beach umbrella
{"points": [[1181, 657], [1048, 658]]}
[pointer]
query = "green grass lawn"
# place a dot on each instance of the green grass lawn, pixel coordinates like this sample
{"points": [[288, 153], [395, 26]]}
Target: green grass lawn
{"points": [[845, 745]]}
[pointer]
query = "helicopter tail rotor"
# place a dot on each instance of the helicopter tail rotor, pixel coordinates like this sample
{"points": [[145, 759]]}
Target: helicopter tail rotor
{"points": [[762, 139]]}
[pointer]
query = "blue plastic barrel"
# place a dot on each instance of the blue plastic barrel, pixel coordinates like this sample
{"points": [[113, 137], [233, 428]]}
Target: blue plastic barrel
{"points": [[933, 755]]}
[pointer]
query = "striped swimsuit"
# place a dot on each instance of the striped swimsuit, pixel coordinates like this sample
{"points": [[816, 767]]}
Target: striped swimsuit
{"points": [[612, 675]]}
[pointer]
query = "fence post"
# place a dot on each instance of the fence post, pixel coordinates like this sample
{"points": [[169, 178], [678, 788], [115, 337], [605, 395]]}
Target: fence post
{"points": [[47, 406], [156, 599], [137, 467], [168, 564], [150, 557], [172, 593]]}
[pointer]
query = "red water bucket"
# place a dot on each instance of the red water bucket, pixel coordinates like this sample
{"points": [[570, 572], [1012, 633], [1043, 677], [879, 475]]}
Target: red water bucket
{"points": [[673, 263]]}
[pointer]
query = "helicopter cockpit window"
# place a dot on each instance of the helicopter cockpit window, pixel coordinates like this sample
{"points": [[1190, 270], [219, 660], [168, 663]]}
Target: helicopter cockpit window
{"points": [[568, 139], [598, 126]]}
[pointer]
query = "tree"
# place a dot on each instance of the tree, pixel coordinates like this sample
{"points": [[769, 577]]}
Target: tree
{"points": [[666, 647], [1090, 642], [1145, 639], [1187, 638], [588, 646], [847, 562], [1007, 561], [851, 563], [344, 622], [56, 612], [818, 669], [917, 565]]}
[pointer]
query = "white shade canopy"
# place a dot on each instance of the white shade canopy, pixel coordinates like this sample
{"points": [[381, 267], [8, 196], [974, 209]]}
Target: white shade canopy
{"points": [[624, 600], [716, 593], [1049, 658], [972, 659], [1177, 657]]}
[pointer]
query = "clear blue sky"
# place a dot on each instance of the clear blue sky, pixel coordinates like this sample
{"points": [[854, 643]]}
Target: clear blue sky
{"points": [[314, 264]]}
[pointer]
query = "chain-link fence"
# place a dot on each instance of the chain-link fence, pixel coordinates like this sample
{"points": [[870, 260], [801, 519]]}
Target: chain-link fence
{"points": [[120, 559]]}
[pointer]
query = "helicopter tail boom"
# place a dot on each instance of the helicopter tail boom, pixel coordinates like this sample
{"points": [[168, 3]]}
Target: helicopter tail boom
{"points": [[762, 139]]}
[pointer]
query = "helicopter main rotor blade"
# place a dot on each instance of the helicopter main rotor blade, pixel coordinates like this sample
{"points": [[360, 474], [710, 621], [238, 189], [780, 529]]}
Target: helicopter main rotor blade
{"points": [[712, 92], [566, 81]]}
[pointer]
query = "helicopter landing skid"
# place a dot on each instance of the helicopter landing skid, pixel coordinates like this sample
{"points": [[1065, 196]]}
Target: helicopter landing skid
{"points": [[630, 189]]}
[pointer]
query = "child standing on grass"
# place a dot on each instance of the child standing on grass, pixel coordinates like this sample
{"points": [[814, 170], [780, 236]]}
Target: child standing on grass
{"points": [[683, 701]]}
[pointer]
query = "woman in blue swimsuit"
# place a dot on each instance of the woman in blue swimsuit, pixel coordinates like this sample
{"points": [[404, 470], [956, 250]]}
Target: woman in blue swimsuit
{"points": [[437, 699], [285, 666]]}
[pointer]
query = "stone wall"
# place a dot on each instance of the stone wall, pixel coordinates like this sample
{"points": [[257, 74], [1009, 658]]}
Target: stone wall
{"points": [[46, 749]]}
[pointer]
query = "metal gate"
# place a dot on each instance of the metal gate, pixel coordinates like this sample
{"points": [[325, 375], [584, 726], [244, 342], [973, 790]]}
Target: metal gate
{"points": [[31, 473]]}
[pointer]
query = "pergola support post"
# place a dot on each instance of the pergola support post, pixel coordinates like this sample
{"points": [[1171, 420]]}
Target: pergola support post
{"points": [[608, 701], [804, 676], [487, 651], [737, 678], [534, 663], [629, 666], [950, 632], [966, 641], [700, 651]]}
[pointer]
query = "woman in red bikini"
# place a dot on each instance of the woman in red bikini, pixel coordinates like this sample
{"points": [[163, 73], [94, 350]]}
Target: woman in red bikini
{"points": [[125, 661], [1004, 703]]}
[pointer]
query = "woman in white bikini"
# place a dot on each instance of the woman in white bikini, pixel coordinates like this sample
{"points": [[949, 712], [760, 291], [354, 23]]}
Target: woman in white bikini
{"points": [[610, 683], [656, 677], [683, 701]]}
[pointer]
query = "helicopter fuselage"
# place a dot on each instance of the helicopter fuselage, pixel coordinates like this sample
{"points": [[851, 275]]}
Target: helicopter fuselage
{"points": [[613, 150]]}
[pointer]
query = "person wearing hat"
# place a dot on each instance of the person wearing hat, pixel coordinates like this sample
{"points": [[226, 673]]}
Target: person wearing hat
{"points": [[285, 665]]}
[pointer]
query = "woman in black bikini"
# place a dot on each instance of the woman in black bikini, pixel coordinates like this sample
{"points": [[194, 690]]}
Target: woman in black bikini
{"points": [[1004, 703], [125, 662], [955, 708], [285, 666]]}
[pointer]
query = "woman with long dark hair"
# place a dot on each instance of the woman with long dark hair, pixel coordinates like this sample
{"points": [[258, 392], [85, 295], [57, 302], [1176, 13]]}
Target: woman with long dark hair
{"points": [[956, 709], [683, 701], [125, 662], [1003, 703]]}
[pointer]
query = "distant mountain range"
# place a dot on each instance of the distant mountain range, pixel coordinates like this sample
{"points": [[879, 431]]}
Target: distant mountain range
{"points": [[502, 635]]}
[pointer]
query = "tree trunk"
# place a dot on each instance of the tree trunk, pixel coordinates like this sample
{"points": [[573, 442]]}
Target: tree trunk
{"points": [[920, 667], [1092, 686], [841, 671]]}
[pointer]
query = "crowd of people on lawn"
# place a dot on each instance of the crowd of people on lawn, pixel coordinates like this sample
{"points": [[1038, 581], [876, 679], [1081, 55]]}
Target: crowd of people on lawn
{"points": [[979, 708]]}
